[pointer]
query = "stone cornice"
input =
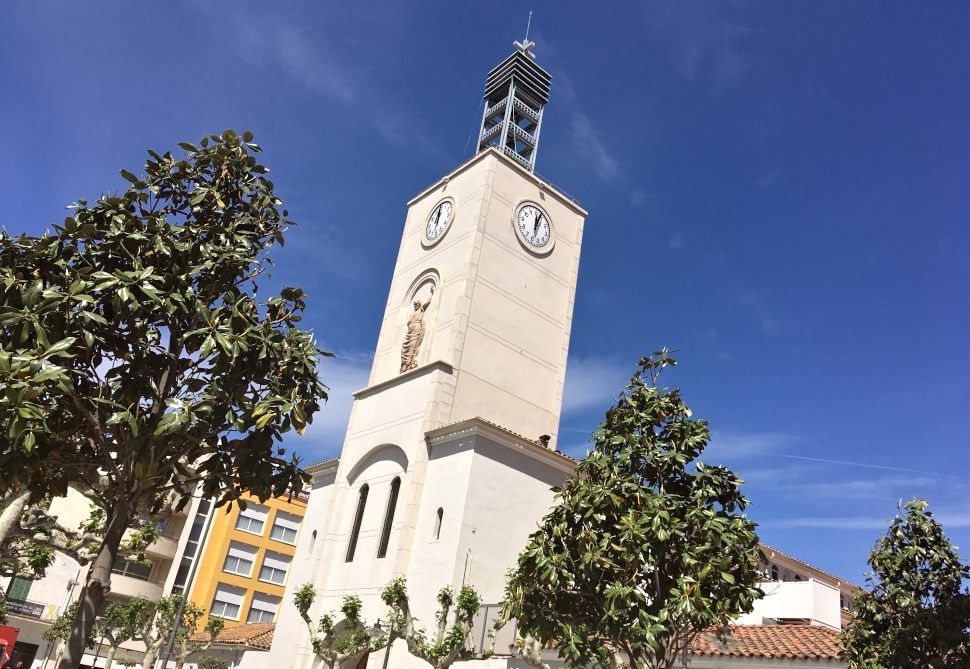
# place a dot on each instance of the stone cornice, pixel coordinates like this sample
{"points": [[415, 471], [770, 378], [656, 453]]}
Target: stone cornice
{"points": [[411, 373], [503, 436], [561, 197], [324, 467]]}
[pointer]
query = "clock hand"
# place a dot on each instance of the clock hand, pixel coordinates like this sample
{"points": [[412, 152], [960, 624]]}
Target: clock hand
{"points": [[535, 229]]}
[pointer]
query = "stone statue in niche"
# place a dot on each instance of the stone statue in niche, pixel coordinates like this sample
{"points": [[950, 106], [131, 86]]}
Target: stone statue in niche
{"points": [[415, 332]]}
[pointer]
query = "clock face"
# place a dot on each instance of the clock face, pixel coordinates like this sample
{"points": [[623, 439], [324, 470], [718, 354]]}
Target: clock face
{"points": [[438, 220], [534, 226]]}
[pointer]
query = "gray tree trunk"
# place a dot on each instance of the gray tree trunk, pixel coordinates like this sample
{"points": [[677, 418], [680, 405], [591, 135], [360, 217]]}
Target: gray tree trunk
{"points": [[14, 505], [110, 657], [96, 588]]}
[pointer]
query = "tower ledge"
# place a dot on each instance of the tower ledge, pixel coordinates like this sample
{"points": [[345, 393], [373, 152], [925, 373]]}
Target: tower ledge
{"points": [[535, 178]]}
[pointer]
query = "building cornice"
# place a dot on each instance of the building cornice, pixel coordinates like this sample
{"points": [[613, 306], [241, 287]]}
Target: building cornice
{"points": [[771, 552], [324, 467], [498, 434], [564, 199], [404, 376]]}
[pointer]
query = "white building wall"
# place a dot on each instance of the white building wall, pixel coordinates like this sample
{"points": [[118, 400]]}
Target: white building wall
{"points": [[809, 600]]}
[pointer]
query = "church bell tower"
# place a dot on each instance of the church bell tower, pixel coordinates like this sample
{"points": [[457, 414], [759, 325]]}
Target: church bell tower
{"points": [[516, 90], [451, 448]]}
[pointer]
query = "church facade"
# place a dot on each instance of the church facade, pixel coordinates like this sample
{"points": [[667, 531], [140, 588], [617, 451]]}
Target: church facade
{"points": [[450, 452]]}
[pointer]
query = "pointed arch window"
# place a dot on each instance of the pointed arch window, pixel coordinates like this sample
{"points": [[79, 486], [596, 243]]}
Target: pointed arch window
{"points": [[389, 516], [358, 518], [437, 523]]}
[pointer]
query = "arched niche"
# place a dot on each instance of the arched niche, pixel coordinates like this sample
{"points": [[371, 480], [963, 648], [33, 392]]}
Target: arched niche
{"points": [[418, 313], [382, 461]]}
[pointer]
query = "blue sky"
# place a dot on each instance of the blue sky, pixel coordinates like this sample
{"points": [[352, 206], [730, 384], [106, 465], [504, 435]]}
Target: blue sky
{"points": [[779, 190]]}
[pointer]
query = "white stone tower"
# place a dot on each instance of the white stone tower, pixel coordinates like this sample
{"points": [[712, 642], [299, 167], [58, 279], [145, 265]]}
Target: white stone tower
{"points": [[450, 451]]}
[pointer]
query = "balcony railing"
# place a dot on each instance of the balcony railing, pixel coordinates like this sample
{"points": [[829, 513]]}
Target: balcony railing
{"points": [[482, 624]]}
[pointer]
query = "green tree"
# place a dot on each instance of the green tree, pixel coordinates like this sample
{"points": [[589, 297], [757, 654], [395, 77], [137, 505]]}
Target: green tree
{"points": [[209, 662], [448, 645], [646, 547], [162, 620], [337, 640], [135, 358], [119, 623], [35, 536], [916, 612]]}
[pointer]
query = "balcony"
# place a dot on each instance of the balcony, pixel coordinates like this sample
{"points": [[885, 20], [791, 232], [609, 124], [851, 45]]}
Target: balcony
{"points": [[811, 602], [164, 548], [126, 586]]}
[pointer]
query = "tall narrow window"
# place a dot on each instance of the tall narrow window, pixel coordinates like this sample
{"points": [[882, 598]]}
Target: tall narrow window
{"points": [[389, 516], [358, 518], [437, 523]]}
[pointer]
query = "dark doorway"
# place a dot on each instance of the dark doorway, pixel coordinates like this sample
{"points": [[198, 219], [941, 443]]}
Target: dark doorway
{"points": [[22, 652]]}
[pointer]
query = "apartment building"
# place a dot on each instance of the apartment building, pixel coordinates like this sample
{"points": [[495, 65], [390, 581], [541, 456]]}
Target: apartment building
{"points": [[245, 562], [233, 562]]}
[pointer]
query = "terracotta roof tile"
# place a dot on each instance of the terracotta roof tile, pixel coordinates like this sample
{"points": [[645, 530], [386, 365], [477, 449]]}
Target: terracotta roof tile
{"points": [[778, 642], [253, 635]]}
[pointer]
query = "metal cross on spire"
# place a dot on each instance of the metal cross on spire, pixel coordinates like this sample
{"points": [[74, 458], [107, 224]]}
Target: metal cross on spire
{"points": [[525, 46], [516, 90]]}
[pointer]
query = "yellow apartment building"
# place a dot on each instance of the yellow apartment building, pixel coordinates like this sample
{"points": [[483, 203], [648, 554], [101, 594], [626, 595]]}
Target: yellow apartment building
{"points": [[246, 560]]}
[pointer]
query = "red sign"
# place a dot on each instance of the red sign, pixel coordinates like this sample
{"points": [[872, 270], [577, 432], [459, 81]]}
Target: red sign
{"points": [[8, 637]]}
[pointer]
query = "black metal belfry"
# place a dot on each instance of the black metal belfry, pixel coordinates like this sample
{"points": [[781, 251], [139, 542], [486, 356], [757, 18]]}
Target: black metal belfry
{"points": [[516, 90]]}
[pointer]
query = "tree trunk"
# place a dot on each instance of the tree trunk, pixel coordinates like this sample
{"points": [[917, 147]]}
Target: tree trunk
{"points": [[11, 512], [110, 657], [96, 588], [148, 660]]}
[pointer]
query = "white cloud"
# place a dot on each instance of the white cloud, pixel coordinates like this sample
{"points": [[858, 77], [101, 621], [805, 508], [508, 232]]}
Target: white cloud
{"points": [[705, 44], [264, 38], [742, 444], [874, 488], [325, 64], [948, 520], [593, 381], [588, 143], [324, 438], [585, 137]]}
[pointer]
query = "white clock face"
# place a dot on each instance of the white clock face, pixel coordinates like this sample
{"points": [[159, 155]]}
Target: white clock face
{"points": [[534, 226], [438, 220]]}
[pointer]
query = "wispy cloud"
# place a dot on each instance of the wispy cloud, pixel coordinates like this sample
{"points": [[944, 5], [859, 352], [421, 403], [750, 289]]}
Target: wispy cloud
{"points": [[755, 303], [869, 465], [585, 137], [676, 241], [948, 520], [593, 381], [320, 62], [314, 247], [272, 41], [705, 43], [743, 444], [343, 374], [857, 489]]}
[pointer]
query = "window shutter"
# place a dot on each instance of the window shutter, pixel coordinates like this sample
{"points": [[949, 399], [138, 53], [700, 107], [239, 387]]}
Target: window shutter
{"points": [[276, 561], [287, 520], [19, 588], [230, 595], [242, 551], [256, 512]]}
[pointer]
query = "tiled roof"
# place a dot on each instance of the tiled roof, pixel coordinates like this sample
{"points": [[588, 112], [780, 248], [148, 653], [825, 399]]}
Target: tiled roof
{"points": [[811, 566], [531, 442], [776, 642], [252, 635]]}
